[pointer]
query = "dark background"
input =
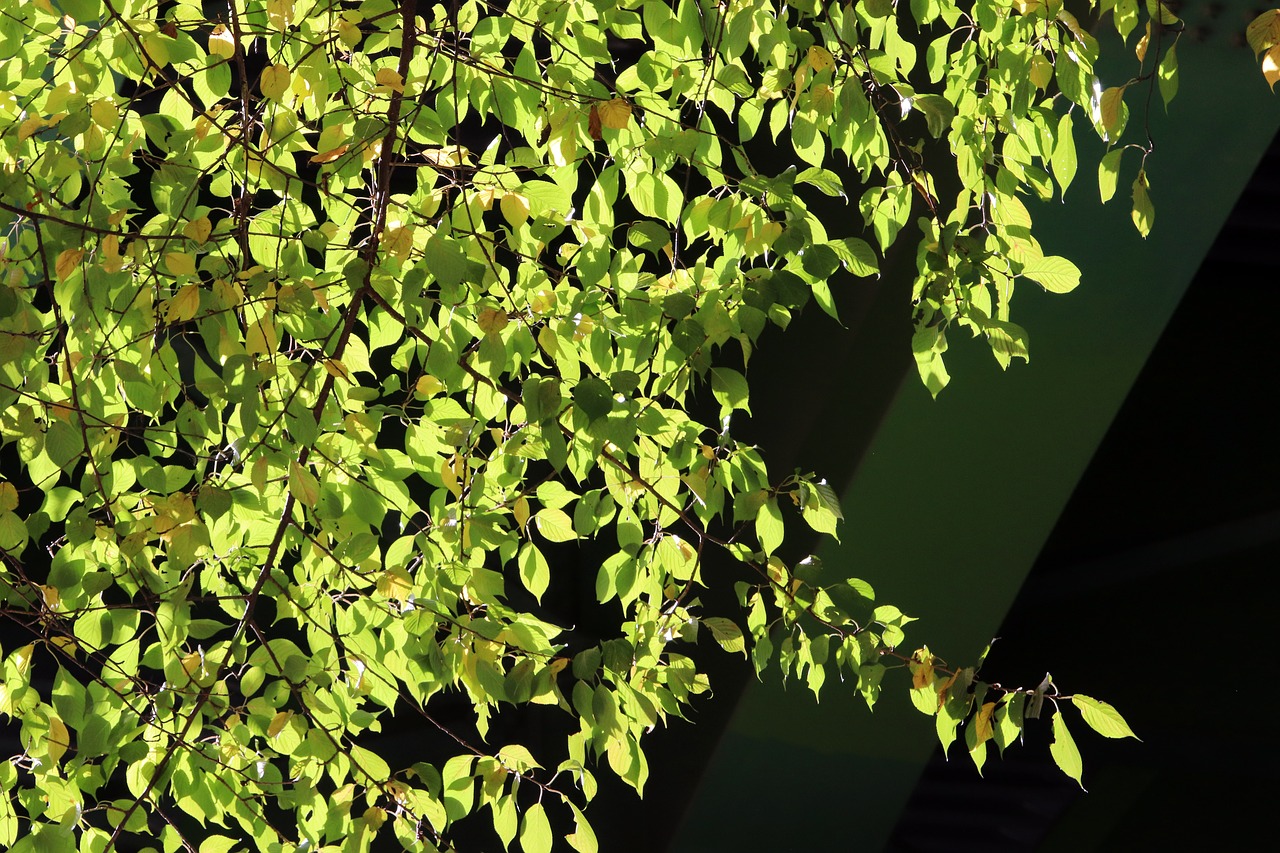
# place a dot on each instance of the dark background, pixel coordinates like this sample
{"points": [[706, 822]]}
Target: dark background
{"points": [[1111, 511]]}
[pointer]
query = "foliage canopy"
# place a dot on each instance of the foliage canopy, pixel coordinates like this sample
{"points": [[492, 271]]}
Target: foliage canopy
{"points": [[325, 325]]}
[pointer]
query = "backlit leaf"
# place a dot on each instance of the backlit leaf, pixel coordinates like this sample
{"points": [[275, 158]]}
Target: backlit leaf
{"points": [[555, 525], [1064, 751], [1144, 212], [726, 633], [535, 830], [614, 113], [1064, 153], [1101, 717], [303, 484], [1109, 173], [275, 81], [1053, 273], [68, 261], [1263, 32]]}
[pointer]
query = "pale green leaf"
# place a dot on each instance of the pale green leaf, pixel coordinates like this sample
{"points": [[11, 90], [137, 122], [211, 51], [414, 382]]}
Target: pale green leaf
{"points": [[1064, 751], [1144, 212], [555, 525], [1109, 174], [1064, 153], [1053, 273], [535, 830], [730, 389], [1102, 718], [769, 526], [727, 633]]}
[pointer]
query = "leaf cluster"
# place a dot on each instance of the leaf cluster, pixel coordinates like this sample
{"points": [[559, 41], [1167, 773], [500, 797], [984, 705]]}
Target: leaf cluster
{"points": [[328, 329]]}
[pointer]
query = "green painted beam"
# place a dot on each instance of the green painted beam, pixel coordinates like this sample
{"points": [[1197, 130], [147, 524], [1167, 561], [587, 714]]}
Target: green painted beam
{"points": [[955, 497]]}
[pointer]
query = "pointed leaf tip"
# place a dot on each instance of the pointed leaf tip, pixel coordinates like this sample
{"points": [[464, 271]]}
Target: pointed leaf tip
{"points": [[1064, 751], [1102, 718]]}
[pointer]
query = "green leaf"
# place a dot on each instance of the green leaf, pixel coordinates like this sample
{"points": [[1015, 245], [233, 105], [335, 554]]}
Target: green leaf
{"points": [[555, 525], [938, 112], [729, 387], [1055, 274], [506, 820], [535, 830], [1064, 153], [726, 633], [824, 179], [1144, 212], [446, 261], [593, 397], [535, 573], [8, 820], [1102, 718], [1109, 174], [1064, 751], [217, 844], [583, 838], [1167, 75], [857, 255], [769, 526], [303, 485]]}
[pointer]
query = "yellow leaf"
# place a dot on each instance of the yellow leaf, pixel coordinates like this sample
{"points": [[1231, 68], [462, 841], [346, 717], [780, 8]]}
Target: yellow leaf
{"points": [[614, 113], [275, 81], [280, 13], [198, 229], [820, 59], [29, 127], [262, 337], [1141, 48], [492, 320], [1271, 66], [303, 484], [449, 475], [398, 242], [823, 99], [156, 48], [322, 301], [921, 673], [184, 304], [337, 369], [515, 209], [428, 386], [59, 739], [331, 155], [221, 42], [348, 33], [104, 113], [1264, 32], [192, 664], [1112, 102], [395, 584], [521, 511], [258, 474], [67, 263], [390, 78], [982, 722], [21, 658], [1041, 72], [50, 595], [180, 263], [8, 496], [278, 722]]}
